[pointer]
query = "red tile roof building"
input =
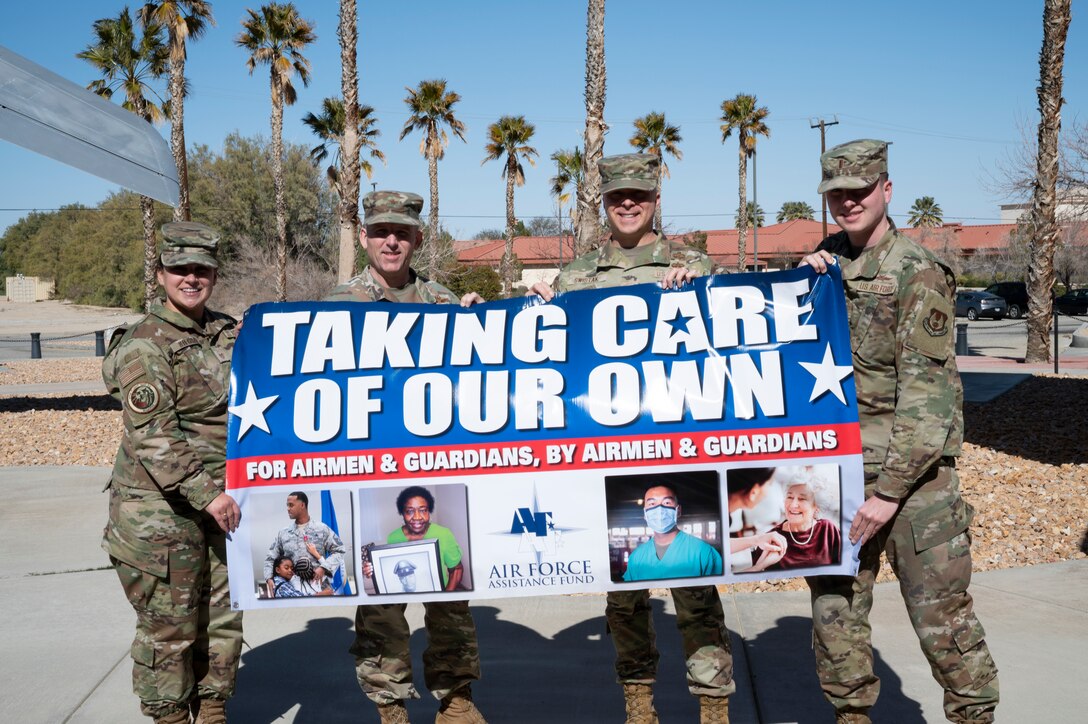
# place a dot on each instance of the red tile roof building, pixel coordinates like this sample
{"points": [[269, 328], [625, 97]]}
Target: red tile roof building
{"points": [[779, 245]]}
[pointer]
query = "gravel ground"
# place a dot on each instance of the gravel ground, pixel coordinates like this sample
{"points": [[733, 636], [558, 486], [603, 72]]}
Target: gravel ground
{"points": [[1024, 466]]}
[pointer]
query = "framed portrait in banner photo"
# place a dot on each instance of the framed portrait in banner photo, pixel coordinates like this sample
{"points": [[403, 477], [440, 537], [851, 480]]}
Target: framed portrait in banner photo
{"points": [[609, 439]]}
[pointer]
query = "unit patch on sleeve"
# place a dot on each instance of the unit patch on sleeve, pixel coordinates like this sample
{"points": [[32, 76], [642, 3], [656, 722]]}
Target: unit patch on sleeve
{"points": [[930, 335], [936, 324], [142, 398]]}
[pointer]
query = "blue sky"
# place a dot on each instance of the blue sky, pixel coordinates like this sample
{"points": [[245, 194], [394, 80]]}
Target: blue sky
{"points": [[949, 83]]}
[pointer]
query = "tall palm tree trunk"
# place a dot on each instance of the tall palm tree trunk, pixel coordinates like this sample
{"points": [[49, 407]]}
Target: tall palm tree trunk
{"points": [[277, 185], [742, 214], [1044, 227], [507, 265], [657, 211], [177, 137], [351, 171], [151, 284], [589, 189], [432, 174], [147, 211]]}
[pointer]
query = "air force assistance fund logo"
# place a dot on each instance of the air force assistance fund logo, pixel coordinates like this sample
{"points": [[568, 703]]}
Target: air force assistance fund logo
{"points": [[539, 560], [536, 532]]}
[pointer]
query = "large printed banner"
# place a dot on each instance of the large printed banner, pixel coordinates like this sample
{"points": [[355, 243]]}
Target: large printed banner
{"points": [[610, 439]]}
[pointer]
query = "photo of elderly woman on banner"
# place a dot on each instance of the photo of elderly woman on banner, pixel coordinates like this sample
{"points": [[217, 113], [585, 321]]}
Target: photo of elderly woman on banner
{"points": [[795, 525]]}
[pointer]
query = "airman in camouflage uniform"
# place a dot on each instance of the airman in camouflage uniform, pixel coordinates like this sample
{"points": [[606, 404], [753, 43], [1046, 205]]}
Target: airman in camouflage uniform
{"points": [[169, 516], [636, 253], [383, 661], [398, 208], [900, 304]]}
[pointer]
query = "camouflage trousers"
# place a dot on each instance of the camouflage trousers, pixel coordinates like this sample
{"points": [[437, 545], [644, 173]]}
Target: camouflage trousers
{"points": [[383, 661], [701, 622], [188, 640], [929, 548]]}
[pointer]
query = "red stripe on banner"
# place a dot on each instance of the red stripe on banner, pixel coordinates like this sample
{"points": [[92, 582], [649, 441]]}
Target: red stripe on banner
{"points": [[546, 455]]}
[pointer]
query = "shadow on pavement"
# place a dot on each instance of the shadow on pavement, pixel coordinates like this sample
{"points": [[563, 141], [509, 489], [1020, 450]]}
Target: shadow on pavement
{"points": [[95, 403], [784, 678], [1041, 419], [311, 669], [527, 678]]}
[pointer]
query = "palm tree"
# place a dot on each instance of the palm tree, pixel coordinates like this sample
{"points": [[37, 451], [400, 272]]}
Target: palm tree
{"points": [[925, 212], [794, 210], [351, 140], [742, 115], [589, 188], [755, 214], [510, 136], [329, 127], [130, 64], [275, 37], [568, 173], [1043, 224], [654, 135], [183, 20], [431, 108]]}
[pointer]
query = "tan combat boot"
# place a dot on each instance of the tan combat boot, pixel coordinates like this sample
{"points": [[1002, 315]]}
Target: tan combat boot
{"points": [[713, 710], [394, 713], [457, 708], [181, 716], [639, 700], [853, 717], [209, 711]]}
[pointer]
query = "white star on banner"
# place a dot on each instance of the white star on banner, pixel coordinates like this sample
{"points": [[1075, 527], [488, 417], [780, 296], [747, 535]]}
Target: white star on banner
{"points": [[251, 412], [829, 376]]}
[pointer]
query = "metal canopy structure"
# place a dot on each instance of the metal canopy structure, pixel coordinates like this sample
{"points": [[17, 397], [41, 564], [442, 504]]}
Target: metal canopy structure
{"points": [[48, 114]]}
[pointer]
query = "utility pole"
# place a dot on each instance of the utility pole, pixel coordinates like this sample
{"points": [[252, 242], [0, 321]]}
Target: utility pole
{"points": [[822, 125], [755, 213]]}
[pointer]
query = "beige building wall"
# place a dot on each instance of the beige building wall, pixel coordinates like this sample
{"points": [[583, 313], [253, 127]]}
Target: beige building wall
{"points": [[531, 276]]}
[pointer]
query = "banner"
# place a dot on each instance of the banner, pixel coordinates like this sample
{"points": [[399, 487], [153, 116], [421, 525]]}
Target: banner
{"points": [[609, 439]]}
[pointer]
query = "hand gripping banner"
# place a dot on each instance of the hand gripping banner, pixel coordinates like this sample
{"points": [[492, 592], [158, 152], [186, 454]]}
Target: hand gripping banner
{"points": [[609, 439]]}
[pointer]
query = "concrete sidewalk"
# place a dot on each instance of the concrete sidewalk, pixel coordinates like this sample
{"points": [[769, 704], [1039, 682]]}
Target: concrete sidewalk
{"points": [[67, 628]]}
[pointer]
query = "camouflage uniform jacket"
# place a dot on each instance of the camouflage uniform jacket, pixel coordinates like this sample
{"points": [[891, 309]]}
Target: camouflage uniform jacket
{"points": [[364, 288], [910, 400], [608, 266], [171, 376]]}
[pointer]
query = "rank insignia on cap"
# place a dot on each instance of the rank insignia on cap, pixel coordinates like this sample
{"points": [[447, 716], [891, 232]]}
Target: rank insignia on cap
{"points": [[143, 398]]}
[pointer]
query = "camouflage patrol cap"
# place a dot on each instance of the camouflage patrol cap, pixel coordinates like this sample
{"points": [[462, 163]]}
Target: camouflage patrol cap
{"points": [[629, 171], [394, 207], [187, 242], [853, 165]]}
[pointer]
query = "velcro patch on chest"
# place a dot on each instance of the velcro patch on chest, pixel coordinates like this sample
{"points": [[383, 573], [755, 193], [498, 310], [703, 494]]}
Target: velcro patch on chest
{"points": [[880, 285], [183, 344]]}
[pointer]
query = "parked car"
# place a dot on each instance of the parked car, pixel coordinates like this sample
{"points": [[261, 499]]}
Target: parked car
{"points": [[1015, 295], [980, 304], [1074, 302]]}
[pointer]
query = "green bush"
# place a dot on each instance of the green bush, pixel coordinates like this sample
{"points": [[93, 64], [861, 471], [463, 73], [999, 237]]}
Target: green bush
{"points": [[480, 279]]}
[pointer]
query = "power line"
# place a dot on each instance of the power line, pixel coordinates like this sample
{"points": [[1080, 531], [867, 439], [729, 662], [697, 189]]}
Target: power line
{"points": [[709, 214]]}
